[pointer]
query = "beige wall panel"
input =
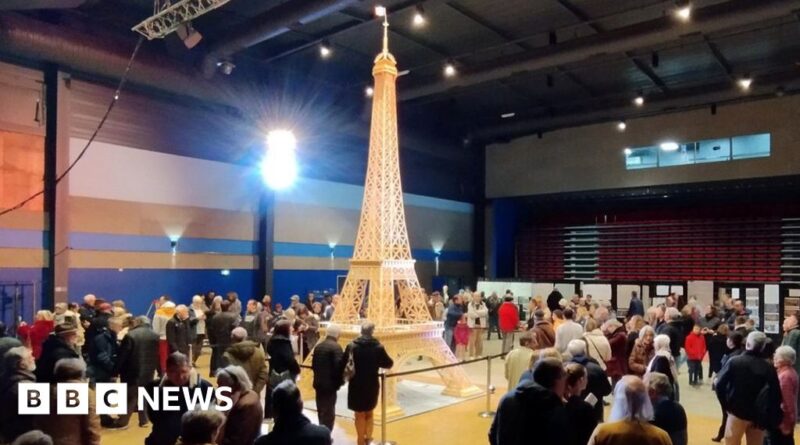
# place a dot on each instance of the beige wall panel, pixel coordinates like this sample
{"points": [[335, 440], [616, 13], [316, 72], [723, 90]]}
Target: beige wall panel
{"points": [[24, 219], [95, 259], [23, 257], [310, 263], [591, 157], [20, 89], [302, 223], [136, 218]]}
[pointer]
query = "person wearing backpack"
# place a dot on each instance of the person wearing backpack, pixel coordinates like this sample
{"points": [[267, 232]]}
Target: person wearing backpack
{"points": [[282, 363], [326, 362], [750, 393], [363, 358]]}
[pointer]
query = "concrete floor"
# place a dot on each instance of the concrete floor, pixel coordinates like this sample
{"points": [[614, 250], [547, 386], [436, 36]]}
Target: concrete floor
{"points": [[461, 424]]}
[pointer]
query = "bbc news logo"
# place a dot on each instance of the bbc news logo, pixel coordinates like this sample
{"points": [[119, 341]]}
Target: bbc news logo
{"points": [[112, 398]]}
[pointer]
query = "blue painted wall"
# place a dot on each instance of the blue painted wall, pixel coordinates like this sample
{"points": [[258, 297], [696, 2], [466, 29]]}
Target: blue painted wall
{"points": [[504, 228], [300, 282]]}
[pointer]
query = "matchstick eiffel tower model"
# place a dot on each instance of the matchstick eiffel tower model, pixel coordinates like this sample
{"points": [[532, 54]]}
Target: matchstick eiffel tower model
{"points": [[382, 278]]}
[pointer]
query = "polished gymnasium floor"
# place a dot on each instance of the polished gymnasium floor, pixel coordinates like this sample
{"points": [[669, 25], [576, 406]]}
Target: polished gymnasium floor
{"points": [[461, 424]]}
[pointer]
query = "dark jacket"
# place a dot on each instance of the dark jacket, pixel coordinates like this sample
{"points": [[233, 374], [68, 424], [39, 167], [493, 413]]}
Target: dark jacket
{"points": [[103, 356], [453, 313], [368, 357], [673, 330], [295, 431], [13, 424], [98, 324], [636, 307], [544, 333], [53, 350], [527, 413], [137, 359], [281, 356], [671, 417], [243, 422], [717, 346], [598, 382], [86, 313], [618, 365], [179, 335], [553, 299], [167, 424], [327, 366], [741, 381], [582, 420], [219, 327]]}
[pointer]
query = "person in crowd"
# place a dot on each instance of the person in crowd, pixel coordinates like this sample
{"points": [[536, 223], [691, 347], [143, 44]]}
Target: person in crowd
{"points": [[62, 344], [311, 298], [478, 321], [735, 346], [673, 328], [264, 322], [452, 315], [553, 300], [628, 421], [635, 307], [103, 313], [327, 366], [200, 427], [197, 314], [738, 310], [163, 315], [137, 364], [70, 429], [309, 327], [178, 374], [597, 346], [543, 330], [74, 309], [282, 364], [17, 367], [541, 354], [534, 407], [179, 331], [34, 335], [518, 360], [664, 362], [6, 342], [330, 309], [87, 310], [103, 352], [717, 345], [294, 302], [493, 305], [209, 298], [369, 357], [34, 437], [634, 325], [568, 331], [218, 329], [250, 320], [243, 421], [508, 317], [291, 426], [461, 337], [249, 356], [643, 352], [710, 321], [558, 318], [580, 413], [235, 305], [791, 336], [617, 366], [695, 345], [784, 360], [668, 414], [598, 384], [750, 392]]}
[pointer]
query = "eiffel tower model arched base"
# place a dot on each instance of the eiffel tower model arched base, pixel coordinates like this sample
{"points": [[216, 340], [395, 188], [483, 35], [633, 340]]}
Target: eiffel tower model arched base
{"points": [[382, 281]]}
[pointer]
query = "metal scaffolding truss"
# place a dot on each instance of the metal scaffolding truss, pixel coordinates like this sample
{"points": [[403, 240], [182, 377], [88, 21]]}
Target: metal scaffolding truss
{"points": [[168, 16]]}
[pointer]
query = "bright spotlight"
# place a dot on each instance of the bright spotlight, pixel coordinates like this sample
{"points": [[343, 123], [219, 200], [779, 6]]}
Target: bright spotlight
{"points": [[745, 82], [684, 13], [628, 151], [369, 91], [669, 146], [621, 125], [639, 100], [325, 50], [449, 70], [380, 11], [279, 167], [419, 16]]}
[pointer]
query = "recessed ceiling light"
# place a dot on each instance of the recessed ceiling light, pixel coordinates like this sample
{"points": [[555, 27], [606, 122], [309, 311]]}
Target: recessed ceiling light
{"points": [[628, 151], [419, 16], [325, 50], [449, 70], [369, 91], [684, 13], [669, 146], [745, 82], [639, 100], [621, 125], [508, 115]]}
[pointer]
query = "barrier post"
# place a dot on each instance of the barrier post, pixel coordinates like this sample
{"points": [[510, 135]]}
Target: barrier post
{"points": [[382, 375], [489, 390]]}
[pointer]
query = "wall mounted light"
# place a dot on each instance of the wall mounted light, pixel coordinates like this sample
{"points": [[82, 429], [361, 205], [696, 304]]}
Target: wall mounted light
{"points": [[225, 272]]}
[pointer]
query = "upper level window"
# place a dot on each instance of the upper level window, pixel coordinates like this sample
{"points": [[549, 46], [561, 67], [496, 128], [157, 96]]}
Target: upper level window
{"points": [[671, 153]]}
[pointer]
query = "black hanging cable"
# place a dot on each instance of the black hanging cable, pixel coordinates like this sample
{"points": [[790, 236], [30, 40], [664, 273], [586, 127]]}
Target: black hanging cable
{"points": [[123, 80]]}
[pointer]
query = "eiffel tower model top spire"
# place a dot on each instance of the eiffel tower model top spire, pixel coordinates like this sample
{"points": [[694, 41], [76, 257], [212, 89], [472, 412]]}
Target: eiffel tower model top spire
{"points": [[382, 276]]}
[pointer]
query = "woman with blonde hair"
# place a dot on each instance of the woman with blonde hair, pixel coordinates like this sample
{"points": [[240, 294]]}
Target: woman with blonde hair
{"points": [[634, 325], [582, 417], [34, 335], [597, 345]]}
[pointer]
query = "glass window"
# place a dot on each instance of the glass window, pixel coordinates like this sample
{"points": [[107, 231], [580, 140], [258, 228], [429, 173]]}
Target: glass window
{"points": [[751, 146], [642, 157], [713, 150], [682, 156]]}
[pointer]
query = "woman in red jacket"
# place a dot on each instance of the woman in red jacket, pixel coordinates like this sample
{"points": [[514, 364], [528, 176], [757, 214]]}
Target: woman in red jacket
{"points": [[695, 346], [508, 317], [34, 335], [618, 340]]}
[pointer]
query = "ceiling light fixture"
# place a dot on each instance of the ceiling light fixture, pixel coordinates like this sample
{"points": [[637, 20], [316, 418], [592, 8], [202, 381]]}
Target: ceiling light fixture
{"points": [[683, 11], [670, 146], [380, 11], [449, 69], [508, 115], [628, 151], [621, 125], [745, 82], [369, 91], [419, 16], [639, 100], [325, 49]]}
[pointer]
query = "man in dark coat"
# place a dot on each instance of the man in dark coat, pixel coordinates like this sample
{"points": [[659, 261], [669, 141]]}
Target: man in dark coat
{"points": [[219, 329], [673, 328], [61, 344], [103, 352], [554, 299], [669, 415], [87, 310], [369, 357], [137, 362], [598, 379], [17, 367], [291, 426], [635, 307], [327, 366], [179, 331], [179, 374], [99, 322], [533, 412]]}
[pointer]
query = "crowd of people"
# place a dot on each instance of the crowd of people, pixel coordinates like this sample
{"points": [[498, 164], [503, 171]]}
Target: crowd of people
{"points": [[573, 353]]}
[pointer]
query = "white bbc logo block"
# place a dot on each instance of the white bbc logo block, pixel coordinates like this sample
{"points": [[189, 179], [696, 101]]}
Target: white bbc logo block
{"points": [[33, 398], [112, 398], [72, 398]]}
